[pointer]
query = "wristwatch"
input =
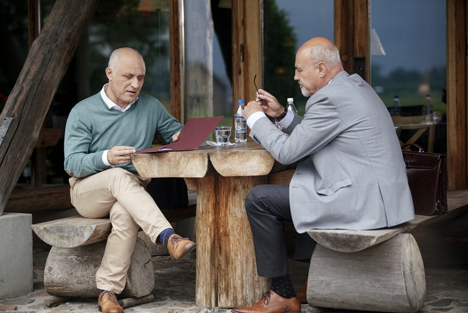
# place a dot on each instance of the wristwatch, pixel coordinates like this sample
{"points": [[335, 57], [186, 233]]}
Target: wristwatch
{"points": [[282, 115]]}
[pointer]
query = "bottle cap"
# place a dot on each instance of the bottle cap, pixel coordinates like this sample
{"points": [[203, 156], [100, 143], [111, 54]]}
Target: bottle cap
{"points": [[240, 101], [290, 99]]}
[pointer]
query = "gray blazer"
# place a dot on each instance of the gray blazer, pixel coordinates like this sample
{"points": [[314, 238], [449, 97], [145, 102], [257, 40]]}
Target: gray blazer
{"points": [[351, 173]]}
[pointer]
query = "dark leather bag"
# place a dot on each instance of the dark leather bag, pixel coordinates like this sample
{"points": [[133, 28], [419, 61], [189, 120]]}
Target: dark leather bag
{"points": [[427, 179]]}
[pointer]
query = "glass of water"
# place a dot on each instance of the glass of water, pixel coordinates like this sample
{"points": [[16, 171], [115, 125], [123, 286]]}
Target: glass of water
{"points": [[222, 133]]}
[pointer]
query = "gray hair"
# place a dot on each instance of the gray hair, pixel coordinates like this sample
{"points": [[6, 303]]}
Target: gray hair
{"points": [[326, 54]]}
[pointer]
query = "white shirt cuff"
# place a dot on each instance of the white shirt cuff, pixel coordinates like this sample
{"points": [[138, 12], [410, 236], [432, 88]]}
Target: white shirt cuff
{"points": [[104, 158], [254, 117], [287, 120]]}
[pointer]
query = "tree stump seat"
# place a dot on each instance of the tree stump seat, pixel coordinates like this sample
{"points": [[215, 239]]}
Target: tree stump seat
{"points": [[373, 270], [78, 245]]}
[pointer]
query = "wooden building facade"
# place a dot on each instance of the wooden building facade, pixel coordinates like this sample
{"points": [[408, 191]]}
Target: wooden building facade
{"points": [[57, 49]]}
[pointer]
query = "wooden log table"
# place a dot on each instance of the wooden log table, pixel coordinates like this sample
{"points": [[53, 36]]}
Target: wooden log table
{"points": [[226, 267]]}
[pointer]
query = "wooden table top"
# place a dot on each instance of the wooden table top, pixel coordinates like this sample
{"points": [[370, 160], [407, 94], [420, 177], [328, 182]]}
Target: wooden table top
{"points": [[244, 159]]}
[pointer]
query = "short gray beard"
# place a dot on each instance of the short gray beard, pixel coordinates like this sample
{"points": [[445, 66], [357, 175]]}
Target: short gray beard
{"points": [[304, 91]]}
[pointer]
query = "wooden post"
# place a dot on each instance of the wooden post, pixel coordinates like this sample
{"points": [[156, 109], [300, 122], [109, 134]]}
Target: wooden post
{"points": [[352, 33], [231, 278], [176, 61], [29, 101], [457, 72]]}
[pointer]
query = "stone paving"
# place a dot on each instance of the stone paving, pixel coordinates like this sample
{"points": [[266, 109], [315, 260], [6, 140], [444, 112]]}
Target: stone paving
{"points": [[444, 248]]}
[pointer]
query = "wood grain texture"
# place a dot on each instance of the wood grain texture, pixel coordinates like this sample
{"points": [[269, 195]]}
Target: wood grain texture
{"points": [[253, 162], [176, 56], [172, 164], [238, 282], [28, 199], [206, 233], [388, 277], [456, 94], [353, 240], [71, 232], [36, 85], [48, 137], [226, 268], [71, 272], [249, 159]]}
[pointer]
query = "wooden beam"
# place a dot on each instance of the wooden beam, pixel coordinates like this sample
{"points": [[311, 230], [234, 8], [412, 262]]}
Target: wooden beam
{"points": [[351, 32], [29, 101], [247, 46], [34, 20], [362, 34], [176, 53], [343, 32], [457, 139], [238, 43]]}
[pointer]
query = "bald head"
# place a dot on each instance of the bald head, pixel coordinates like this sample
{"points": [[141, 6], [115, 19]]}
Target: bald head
{"points": [[126, 74], [323, 50], [125, 52], [317, 62]]}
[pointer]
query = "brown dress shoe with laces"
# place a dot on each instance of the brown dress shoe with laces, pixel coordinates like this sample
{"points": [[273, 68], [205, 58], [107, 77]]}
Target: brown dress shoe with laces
{"points": [[108, 303], [271, 302], [179, 247], [301, 295]]}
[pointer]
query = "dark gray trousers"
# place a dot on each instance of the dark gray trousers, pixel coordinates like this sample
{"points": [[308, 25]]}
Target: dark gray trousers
{"points": [[267, 209]]}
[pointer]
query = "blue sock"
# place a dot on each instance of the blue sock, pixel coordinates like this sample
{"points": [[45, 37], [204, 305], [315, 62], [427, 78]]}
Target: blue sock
{"points": [[165, 234]]}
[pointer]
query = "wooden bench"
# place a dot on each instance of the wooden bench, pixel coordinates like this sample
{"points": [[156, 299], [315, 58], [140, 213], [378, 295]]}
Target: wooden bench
{"points": [[78, 245], [373, 270]]}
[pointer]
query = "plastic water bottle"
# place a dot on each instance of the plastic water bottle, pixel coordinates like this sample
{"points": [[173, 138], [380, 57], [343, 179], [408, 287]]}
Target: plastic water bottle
{"points": [[240, 124], [291, 106], [396, 109], [428, 109]]}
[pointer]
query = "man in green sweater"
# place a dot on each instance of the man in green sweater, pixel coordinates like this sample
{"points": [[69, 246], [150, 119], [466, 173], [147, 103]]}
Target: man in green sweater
{"points": [[101, 133]]}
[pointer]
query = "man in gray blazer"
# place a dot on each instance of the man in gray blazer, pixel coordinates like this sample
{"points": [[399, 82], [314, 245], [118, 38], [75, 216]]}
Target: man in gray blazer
{"points": [[350, 172]]}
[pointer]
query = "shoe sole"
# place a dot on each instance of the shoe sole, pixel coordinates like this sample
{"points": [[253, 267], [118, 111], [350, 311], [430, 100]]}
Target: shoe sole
{"points": [[187, 251]]}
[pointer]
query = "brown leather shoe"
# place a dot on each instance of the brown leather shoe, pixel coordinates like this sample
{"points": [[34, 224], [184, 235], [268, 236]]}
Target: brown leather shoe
{"points": [[301, 295], [271, 302], [179, 247], [108, 303]]}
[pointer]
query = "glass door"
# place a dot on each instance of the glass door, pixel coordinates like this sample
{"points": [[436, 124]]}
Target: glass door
{"points": [[287, 25], [408, 62], [207, 62]]}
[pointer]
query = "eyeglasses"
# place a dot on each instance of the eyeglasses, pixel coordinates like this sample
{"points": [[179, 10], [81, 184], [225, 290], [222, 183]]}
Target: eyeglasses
{"points": [[255, 83], [260, 100]]}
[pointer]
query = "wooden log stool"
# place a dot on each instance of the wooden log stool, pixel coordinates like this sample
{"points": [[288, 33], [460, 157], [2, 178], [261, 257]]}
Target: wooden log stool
{"points": [[376, 270], [77, 249]]}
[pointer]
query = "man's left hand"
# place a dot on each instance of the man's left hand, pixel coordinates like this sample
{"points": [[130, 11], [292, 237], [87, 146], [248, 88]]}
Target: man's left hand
{"points": [[175, 137], [251, 108]]}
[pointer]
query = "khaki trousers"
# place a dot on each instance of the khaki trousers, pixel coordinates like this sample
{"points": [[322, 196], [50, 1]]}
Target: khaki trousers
{"points": [[122, 195]]}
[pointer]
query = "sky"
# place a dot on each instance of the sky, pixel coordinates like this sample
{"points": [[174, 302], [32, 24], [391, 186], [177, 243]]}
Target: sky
{"points": [[412, 32]]}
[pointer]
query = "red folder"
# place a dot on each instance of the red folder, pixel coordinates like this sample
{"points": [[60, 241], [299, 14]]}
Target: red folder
{"points": [[194, 133]]}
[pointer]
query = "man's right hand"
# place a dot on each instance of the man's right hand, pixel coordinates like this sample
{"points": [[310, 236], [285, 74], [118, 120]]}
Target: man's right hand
{"points": [[120, 155], [269, 104]]}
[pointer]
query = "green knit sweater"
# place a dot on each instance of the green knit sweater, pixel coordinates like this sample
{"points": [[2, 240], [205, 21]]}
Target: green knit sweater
{"points": [[93, 128]]}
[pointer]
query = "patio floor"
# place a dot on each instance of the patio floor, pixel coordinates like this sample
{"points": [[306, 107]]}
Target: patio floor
{"points": [[444, 247]]}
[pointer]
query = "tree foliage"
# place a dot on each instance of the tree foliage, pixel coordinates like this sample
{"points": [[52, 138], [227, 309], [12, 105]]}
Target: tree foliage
{"points": [[279, 52]]}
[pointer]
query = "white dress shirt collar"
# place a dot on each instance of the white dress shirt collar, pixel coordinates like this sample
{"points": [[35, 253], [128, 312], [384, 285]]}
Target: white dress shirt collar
{"points": [[110, 103]]}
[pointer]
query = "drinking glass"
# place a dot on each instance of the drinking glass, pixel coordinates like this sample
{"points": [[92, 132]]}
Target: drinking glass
{"points": [[222, 133]]}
